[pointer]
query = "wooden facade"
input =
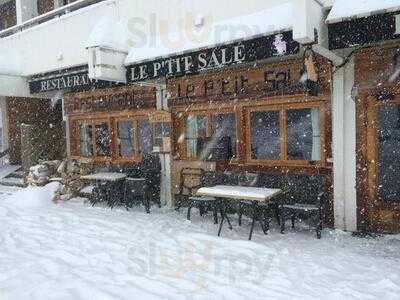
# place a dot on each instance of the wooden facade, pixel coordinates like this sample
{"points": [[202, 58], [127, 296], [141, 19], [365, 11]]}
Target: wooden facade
{"points": [[378, 86], [240, 91], [109, 106]]}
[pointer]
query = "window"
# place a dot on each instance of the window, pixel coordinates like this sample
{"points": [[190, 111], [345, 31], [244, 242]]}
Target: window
{"points": [[102, 139], [85, 140], [211, 136], [125, 139], [285, 135], [121, 138], [7, 14], [145, 137], [134, 138], [45, 6], [94, 138], [195, 136], [223, 139], [303, 134], [265, 140], [161, 130]]}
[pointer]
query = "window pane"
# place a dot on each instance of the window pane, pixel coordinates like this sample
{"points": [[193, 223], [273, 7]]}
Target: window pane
{"points": [[222, 145], [195, 135], [161, 130], [303, 134], [265, 142], [389, 153], [102, 139], [145, 138], [85, 140], [125, 138]]}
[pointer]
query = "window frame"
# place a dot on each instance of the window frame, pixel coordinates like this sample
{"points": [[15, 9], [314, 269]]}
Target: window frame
{"points": [[135, 141], [283, 157], [93, 122], [78, 125], [111, 120], [209, 129]]}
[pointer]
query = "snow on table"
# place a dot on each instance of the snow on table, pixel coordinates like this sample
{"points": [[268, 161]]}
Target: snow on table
{"points": [[87, 189], [239, 192], [75, 251], [105, 176]]}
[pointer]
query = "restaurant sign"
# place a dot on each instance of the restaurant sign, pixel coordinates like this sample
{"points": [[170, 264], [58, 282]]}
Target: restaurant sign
{"points": [[221, 56], [60, 82], [66, 80]]}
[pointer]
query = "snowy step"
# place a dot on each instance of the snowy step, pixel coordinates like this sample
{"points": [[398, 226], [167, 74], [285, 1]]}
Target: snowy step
{"points": [[17, 174], [7, 170], [12, 181]]}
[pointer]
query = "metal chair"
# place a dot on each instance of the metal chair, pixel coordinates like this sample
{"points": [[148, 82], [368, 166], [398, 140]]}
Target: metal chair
{"points": [[298, 210], [260, 212], [190, 182], [204, 204], [137, 191]]}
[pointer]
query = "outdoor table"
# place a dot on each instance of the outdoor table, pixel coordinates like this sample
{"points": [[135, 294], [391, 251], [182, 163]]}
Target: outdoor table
{"points": [[226, 193], [114, 183]]}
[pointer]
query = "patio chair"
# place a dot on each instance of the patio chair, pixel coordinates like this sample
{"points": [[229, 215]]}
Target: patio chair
{"points": [[189, 183], [276, 181], [259, 212], [193, 179], [106, 192], [306, 200], [151, 170], [136, 191], [142, 185]]}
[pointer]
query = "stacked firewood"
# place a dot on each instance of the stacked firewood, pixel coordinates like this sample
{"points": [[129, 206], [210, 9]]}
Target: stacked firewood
{"points": [[67, 172]]}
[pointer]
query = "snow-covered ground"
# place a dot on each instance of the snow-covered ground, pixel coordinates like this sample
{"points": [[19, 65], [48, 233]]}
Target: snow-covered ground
{"points": [[74, 251]]}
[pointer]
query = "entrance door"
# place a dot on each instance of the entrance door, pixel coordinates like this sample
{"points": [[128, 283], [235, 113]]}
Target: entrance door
{"points": [[384, 162]]}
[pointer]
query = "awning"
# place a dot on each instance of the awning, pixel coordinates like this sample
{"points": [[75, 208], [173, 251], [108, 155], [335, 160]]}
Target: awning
{"points": [[344, 10], [270, 21]]}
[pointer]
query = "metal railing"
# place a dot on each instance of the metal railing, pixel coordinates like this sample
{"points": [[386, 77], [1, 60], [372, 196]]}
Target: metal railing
{"points": [[58, 12]]}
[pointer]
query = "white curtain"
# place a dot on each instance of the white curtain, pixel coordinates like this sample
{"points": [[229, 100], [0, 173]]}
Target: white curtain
{"points": [[85, 140], [316, 147], [191, 136]]}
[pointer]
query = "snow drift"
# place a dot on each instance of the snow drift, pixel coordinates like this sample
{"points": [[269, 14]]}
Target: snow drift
{"points": [[33, 197]]}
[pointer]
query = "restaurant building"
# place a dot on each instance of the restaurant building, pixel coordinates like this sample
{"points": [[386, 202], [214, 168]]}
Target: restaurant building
{"points": [[274, 88], [233, 101]]}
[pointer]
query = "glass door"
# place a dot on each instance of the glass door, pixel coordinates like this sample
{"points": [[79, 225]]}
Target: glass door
{"points": [[388, 152], [384, 151]]}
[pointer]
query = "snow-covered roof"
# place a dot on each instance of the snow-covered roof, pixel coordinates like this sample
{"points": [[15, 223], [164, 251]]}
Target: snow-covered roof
{"points": [[347, 9], [110, 33], [276, 19]]}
